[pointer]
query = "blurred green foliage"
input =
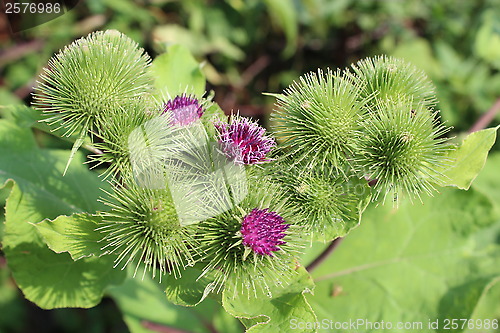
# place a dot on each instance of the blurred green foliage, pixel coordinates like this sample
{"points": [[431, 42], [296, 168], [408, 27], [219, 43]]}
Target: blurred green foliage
{"points": [[252, 46]]}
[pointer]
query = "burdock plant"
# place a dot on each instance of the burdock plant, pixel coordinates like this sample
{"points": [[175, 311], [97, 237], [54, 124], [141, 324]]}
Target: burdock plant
{"points": [[330, 204], [218, 206], [318, 119], [254, 245], [243, 141], [391, 79], [402, 149], [142, 226], [101, 73]]}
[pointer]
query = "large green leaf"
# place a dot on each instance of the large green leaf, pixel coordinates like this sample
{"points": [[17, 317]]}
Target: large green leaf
{"points": [[177, 72], [25, 116], [487, 181], [145, 310], [275, 312], [190, 290], [486, 310], [40, 191], [40, 171], [487, 41], [4, 193], [11, 305], [467, 160], [415, 264], [75, 234]]}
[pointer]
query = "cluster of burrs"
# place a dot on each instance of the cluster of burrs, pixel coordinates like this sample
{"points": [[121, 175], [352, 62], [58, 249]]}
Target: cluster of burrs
{"points": [[194, 187]]}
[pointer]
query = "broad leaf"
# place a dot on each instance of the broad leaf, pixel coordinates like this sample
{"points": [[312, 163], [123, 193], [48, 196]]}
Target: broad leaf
{"points": [[359, 194], [25, 116], [40, 191], [48, 279], [277, 311], [486, 310], [177, 72], [467, 160], [415, 264], [12, 307], [4, 193], [145, 309], [189, 290], [39, 171], [488, 182], [75, 234]]}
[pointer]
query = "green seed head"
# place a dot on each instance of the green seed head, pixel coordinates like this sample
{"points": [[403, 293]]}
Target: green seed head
{"points": [[329, 202], [390, 79], [94, 75], [143, 227], [115, 134], [317, 119], [402, 149]]}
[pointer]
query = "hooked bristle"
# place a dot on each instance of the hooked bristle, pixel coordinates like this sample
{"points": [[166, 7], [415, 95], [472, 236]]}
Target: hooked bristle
{"points": [[142, 227], [317, 119]]}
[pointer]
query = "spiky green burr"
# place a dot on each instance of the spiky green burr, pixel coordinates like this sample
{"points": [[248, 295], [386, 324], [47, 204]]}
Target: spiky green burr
{"points": [[387, 79], [93, 75], [142, 227], [402, 149], [96, 75], [330, 204], [317, 119]]}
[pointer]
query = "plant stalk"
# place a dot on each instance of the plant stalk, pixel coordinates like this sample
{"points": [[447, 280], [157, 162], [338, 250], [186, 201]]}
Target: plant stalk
{"points": [[324, 255]]}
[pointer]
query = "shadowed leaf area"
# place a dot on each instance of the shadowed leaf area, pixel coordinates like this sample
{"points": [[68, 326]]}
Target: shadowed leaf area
{"points": [[414, 264], [39, 191]]}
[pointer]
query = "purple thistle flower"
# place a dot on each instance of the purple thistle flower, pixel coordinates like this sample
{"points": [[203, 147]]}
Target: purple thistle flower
{"points": [[184, 109], [244, 141], [263, 231]]}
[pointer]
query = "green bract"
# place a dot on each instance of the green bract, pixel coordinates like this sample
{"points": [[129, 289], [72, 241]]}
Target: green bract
{"points": [[115, 127], [330, 204]]}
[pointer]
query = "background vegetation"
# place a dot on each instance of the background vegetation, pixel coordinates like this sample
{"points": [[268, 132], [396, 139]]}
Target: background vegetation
{"points": [[252, 46]]}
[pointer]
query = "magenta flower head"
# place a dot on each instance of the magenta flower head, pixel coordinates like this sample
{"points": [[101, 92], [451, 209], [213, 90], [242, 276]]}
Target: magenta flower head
{"points": [[253, 246], [244, 141], [263, 231], [184, 110]]}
